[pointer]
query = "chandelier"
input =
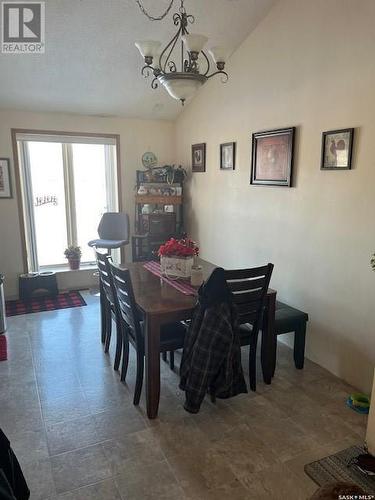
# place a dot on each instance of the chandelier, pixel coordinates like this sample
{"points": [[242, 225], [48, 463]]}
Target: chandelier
{"points": [[183, 80]]}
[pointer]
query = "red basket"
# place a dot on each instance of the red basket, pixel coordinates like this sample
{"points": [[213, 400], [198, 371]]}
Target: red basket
{"points": [[3, 348]]}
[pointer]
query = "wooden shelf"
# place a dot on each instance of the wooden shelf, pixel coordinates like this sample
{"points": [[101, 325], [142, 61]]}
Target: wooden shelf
{"points": [[159, 200]]}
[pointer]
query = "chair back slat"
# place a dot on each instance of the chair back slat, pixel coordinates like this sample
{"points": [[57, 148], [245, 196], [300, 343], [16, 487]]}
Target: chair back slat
{"points": [[104, 276], [243, 274], [249, 296], [247, 307], [127, 313], [126, 302], [249, 288], [245, 285], [249, 317]]}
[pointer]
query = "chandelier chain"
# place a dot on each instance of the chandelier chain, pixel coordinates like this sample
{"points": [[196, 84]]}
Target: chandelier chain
{"points": [[162, 16]]}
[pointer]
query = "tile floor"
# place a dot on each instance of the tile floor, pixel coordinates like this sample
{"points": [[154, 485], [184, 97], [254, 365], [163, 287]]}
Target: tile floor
{"points": [[78, 436]]}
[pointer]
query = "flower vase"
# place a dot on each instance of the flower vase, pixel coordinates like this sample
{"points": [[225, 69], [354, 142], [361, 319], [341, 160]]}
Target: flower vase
{"points": [[176, 266]]}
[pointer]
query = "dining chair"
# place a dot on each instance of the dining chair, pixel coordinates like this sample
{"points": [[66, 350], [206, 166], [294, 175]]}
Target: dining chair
{"points": [[132, 326], [107, 308], [249, 288]]}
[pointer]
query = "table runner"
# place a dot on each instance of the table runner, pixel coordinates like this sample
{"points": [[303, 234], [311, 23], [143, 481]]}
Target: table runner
{"points": [[182, 286]]}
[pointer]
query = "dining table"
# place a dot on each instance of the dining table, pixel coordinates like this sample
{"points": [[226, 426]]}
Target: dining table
{"points": [[161, 303]]}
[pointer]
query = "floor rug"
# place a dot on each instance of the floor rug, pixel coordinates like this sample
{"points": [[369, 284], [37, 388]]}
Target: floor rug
{"points": [[39, 304], [335, 468]]}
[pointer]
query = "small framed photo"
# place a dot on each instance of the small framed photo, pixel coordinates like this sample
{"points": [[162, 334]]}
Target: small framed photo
{"points": [[337, 148], [198, 153], [228, 156], [5, 185], [272, 157]]}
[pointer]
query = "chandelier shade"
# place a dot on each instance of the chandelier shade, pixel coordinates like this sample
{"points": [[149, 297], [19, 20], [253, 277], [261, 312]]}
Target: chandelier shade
{"points": [[194, 43], [194, 69], [148, 48], [219, 54]]}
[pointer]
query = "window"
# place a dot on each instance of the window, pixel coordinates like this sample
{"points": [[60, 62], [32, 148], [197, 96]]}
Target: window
{"points": [[67, 183]]}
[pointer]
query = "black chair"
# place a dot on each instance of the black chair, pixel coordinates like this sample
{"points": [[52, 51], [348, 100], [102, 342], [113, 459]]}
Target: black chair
{"points": [[289, 319], [107, 308], [113, 231], [132, 326], [249, 288]]}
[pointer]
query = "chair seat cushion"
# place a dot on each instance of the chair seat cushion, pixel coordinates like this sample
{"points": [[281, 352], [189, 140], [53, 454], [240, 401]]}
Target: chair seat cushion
{"points": [[288, 318], [107, 243]]}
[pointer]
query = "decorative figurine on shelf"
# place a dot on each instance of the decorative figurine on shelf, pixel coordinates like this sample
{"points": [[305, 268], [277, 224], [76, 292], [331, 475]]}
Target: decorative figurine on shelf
{"points": [[174, 174], [149, 160], [73, 254]]}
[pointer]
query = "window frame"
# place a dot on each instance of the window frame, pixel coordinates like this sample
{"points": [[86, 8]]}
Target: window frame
{"points": [[27, 230]]}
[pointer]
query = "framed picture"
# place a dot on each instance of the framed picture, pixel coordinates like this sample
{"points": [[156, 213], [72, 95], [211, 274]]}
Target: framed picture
{"points": [[228, 156], [5, 187], [198, 153], [337, 148], [272, 157]]}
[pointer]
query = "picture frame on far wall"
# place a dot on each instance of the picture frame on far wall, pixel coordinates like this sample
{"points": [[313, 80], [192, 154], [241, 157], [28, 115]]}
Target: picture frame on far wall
{"points": [[5, 184], [337, 147], [198, 157], [272, 157], [228, 156]]}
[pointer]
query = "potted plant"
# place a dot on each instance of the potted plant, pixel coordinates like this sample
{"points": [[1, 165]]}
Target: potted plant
{"points": [[73, 254], [177, 257]]}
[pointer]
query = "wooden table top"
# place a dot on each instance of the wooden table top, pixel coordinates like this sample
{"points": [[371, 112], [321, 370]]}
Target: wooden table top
{"points": [[156, 297]]}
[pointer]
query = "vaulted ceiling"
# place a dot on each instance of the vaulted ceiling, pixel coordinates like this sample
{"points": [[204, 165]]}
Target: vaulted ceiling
{"points": [[91, 65]]}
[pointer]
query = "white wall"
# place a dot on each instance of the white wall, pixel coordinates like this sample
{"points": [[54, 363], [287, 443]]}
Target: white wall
{"points": [[309, 64], [136, 137]]}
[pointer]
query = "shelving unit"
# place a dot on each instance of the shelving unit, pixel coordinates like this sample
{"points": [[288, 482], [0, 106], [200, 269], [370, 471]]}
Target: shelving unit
{"points": [[158, 213]]}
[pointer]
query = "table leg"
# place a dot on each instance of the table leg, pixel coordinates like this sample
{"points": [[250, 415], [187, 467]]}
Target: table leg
{"points": [[268, 350], [152, 361]]}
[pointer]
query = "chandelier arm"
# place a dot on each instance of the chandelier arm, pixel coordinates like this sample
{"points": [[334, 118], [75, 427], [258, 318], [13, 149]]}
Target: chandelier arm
{"points": [[154, 83], [147, 70], [184, 31], [177, 18], [225, 75], [170, 45], [208, 63], [152, 18]]}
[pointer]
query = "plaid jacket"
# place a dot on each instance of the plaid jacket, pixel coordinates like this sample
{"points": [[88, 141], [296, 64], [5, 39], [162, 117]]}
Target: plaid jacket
{"points": [[211, 360]]}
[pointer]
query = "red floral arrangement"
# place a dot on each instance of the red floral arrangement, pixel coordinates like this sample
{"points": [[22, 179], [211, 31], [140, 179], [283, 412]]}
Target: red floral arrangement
{"points": [[179, 248]]}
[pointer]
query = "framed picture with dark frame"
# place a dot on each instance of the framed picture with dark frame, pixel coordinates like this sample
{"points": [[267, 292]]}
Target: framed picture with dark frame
{"points": [[5, 184], [228, 156], [198, 154], [272, 157], [337, 147]]}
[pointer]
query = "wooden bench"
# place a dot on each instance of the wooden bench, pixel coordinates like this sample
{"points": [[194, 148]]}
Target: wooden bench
{"points": [[288, 319]]}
